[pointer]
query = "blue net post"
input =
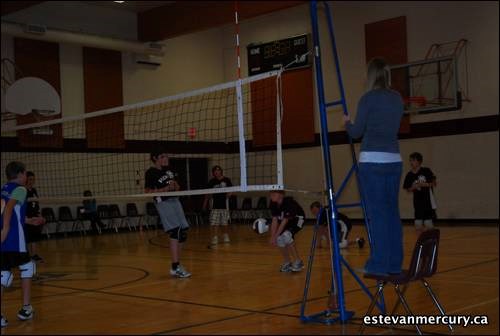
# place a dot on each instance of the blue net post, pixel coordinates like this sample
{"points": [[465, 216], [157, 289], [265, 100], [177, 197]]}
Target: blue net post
{"points": [[337, 261]]}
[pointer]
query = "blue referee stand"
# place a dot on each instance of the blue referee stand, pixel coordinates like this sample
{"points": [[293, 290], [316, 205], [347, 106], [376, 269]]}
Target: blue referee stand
{"points": [[342, 314]]}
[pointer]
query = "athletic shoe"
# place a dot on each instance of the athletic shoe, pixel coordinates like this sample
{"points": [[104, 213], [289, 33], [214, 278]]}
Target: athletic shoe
{"points": [[226, 238], [215, 240], [286, 268], [4, 322], [26, 313], [37, 258], [180, 272], [297, 266]]}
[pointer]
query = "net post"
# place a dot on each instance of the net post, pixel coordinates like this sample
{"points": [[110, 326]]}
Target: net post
{"points": [[279, 150], [241, 137], [325, 144]]}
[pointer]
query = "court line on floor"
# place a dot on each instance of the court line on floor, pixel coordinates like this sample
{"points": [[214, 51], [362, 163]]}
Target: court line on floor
{"points": [[96, 291], [472, 306], [267, 311], [467, 266], [75, 291], [101, 290], [201, 324], [388, 328]]}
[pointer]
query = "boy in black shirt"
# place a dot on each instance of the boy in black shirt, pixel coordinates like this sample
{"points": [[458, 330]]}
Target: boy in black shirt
{"points": [[344, 225], [219, 216], [421, 181], [161, 178], [34, 220], [288, 218]]}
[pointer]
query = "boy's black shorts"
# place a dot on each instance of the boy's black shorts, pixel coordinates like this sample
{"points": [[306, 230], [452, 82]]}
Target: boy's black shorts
{"points": [[425, 214], [293, 226], [12, 259], [33, 233]]}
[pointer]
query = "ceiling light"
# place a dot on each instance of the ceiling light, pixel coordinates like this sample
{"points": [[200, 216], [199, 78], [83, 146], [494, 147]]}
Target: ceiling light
{"points": [[119, 1]]}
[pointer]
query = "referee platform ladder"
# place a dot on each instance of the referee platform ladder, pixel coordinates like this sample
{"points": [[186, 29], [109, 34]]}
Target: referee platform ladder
{"points": [[340, 313]]}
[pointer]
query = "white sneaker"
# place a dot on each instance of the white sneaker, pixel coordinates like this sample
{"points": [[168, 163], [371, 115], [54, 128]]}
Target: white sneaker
{"points": [[26, 313], [286, 268], [180, 272], [4, 322], [297, 266], [215, 240], [226, 238]]}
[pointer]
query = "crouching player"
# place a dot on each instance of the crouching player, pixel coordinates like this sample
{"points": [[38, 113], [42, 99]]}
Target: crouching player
{"points": [[344, 225], [14, 250], [288, 218]]}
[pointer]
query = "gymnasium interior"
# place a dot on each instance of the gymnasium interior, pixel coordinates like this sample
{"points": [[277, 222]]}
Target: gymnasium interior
{"points": [[261, 89]]}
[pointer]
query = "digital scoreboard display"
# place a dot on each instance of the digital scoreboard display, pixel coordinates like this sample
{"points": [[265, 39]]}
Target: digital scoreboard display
{"points": [[270, 56]]}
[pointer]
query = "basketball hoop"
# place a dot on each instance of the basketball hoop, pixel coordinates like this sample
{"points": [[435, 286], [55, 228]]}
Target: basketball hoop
{"points": [[415, 101]]}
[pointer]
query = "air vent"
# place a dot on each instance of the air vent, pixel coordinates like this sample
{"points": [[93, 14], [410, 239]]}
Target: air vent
{"points": [[156, 46], [35, 29]]}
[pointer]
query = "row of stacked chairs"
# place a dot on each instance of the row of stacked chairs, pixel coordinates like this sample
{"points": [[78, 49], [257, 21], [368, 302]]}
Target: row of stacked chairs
{"points": [[247, 211], [113, 218], [110, 215]]}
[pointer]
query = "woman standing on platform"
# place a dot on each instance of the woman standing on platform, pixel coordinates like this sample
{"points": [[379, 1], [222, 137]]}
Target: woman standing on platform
{"points": [[380, 167]]}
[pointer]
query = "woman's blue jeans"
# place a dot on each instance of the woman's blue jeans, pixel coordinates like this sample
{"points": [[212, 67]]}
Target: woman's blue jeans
{"points": [[380, 184]]}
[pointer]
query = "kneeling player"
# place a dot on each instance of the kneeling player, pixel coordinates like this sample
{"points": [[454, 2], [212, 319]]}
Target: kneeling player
{"points": [[344, 225], [288, 218], [14, 252]]}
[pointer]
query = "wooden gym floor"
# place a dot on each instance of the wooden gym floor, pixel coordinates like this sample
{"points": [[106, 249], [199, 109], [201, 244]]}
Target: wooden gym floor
{"points": [[118, 284]]}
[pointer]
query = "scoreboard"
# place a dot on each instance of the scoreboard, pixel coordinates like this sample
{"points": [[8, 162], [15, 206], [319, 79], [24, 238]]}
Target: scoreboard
{"points": [[269, 56]]}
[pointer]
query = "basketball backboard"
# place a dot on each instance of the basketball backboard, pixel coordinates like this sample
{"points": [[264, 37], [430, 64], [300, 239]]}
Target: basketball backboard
{"points": [[428, 86]]}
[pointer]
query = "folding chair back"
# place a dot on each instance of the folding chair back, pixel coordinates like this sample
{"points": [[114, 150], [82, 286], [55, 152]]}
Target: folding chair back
{"points": [[114, 211], [247, 204], [49, 215], [151, 209], [132, 210], [262, 203], [425, 255], [65, 214]]}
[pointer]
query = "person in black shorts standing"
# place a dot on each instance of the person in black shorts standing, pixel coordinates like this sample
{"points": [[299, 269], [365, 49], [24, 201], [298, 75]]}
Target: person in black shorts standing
{"points": [[421, 181], [219, 215], [288, 218], [162, 178], [34, 220]]}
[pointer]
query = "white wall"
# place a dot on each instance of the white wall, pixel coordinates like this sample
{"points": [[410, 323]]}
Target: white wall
{"points": [[191, 62]]}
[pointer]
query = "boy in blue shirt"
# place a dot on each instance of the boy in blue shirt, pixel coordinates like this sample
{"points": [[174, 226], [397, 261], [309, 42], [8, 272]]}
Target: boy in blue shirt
{"points": [[14, 251]]}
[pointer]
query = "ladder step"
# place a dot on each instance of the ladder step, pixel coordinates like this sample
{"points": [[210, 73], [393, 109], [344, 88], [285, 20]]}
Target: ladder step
{"points": [[334, 103], [349, 205]]}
